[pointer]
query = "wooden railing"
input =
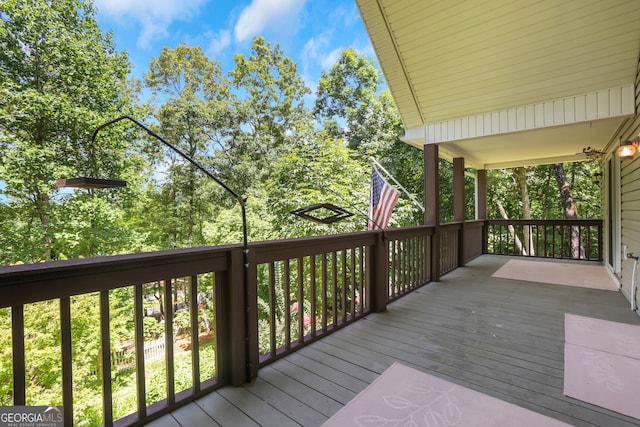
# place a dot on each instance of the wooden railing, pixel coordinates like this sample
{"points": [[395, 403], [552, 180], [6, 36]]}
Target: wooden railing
{"points": [[565, 239], [299, 290], [449, 247], [311, 287], [87, 294], [409, 253]]}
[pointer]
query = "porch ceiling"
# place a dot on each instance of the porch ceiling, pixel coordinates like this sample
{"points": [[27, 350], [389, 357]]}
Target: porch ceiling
{"points": [[447, 61]]}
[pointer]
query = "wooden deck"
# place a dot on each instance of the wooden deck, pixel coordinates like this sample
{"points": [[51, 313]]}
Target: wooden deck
{"points": [[501, 337]]}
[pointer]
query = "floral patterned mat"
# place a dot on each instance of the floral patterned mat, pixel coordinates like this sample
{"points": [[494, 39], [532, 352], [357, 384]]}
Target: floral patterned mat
{"points": [[403, 396]]}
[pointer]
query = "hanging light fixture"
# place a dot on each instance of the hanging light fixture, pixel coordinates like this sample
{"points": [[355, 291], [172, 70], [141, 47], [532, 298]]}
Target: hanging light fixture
{"points": [[628, 149]]}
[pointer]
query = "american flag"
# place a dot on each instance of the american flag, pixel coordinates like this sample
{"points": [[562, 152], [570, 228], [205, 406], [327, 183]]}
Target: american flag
{"points": [[382, 201]]}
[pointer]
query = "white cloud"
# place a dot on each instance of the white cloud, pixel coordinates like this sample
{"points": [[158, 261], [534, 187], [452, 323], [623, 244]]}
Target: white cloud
{"points": [[263, 14], [312, 53], [219, 42], [154, 16], [315, 53], [332, 57]]}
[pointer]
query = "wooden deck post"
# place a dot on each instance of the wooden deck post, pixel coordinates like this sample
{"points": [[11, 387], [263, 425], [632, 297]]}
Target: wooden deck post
{"points": [[252, 316], [458, 206], [379, 275], [432, 204], [481, 204], [234, 322]]}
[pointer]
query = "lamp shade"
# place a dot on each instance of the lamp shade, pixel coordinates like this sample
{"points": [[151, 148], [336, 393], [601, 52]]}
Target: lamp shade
{"points": [[84, 182], [626, 150]]}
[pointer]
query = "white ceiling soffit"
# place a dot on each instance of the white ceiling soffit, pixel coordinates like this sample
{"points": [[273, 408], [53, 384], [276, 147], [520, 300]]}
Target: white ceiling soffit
{"points": [[452, 60]]}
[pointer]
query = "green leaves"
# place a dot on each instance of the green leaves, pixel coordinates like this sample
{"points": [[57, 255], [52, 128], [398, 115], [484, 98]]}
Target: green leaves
{"points": [[60, 76], [544, 195]]}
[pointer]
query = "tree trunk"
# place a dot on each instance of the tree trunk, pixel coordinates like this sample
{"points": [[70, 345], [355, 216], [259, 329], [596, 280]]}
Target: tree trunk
{"points": [[519, 174], [570, 210], [512, 230]]}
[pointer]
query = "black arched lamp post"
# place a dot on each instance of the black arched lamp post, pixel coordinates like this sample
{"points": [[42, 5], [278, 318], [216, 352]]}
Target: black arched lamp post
{"points": [[84, 182]]}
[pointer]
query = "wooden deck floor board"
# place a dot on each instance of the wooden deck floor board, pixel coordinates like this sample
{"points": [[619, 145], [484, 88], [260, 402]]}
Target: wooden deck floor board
{"points": [[349, 382], [500, 337], [193, 415], [448, 337], [341, 366], [294, 385], [450, 348], [223, 412], [256, 408], [332, 390], [291, 406]]}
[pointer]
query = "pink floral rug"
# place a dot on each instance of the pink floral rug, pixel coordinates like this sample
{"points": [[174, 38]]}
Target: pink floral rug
{"points": [[403, 396], [602, 363]]}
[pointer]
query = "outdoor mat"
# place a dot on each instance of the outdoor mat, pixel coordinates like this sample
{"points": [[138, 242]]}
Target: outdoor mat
{"points": [[602, 363], [558, 273], [403, 396]]}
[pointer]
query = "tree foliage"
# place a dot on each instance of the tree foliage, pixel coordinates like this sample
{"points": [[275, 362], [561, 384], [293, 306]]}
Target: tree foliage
{"points": [[193, 116], [270, 117], [60, 77], [545, 196]]}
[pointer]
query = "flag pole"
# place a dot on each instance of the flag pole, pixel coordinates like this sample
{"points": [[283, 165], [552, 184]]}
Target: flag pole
{"points": [[416, 202]]}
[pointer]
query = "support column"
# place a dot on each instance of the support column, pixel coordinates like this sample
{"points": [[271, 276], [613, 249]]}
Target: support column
{"points": [[481, 204], [233, 312], [379, 274], [432, 204], [481, 194], [458, 206]]}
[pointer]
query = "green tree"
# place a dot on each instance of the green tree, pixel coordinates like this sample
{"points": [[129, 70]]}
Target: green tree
{"points": [[60, 77], [194, 116], [352, 104], [321, 171], [271, 116], [545, 194]]}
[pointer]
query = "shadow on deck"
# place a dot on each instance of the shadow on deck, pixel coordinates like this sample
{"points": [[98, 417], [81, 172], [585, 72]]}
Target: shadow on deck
{"points": [[504, 338]]}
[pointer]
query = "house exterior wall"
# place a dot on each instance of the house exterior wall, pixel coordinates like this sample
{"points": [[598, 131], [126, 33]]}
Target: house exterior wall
{"points": [[629, 214]]}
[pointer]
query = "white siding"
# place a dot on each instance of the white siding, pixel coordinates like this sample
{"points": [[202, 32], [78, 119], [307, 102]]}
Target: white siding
{"points": [[604, 104], [630, 199]]}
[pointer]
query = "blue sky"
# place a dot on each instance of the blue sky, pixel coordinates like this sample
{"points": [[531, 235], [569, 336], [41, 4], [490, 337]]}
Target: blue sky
{"points": [[312, 33]]}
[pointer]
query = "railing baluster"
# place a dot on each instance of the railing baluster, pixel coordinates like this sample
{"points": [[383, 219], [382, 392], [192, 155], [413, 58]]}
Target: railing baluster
{"points": [[67, 359], [324, 292], [313, 293], [402, 269], [352, 283], [17, 342], [138, 316], [343, 306], [393, 250], [105, 335], [287, 305], [362, 279], [334, 276], [168, 340], [272, 309], [415, 262], [195, 333], [300, 300]]}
